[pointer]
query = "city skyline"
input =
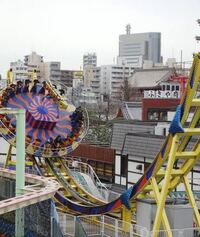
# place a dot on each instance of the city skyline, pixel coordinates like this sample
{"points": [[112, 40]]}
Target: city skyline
{"points": [[64, 30]]}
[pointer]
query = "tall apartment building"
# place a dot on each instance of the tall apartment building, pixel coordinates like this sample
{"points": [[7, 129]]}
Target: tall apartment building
{"points": [[134, 48], [51, 71], [89, 59], [113, 78], [19, 70], [34, 62], [66, 78], [92, 79], [45, 70]]}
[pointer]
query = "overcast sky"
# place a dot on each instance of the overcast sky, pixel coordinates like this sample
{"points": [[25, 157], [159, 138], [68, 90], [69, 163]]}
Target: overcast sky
{"points": [[63, 30]]}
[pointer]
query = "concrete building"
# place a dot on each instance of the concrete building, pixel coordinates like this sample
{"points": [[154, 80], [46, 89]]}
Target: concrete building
{"points": [[112, 80], [92, 78], [34, 62], [87, 97], [45, 70], [67, 78], [153, 94], [19, 70], [136, 144], [134, 48], [89, 59], [51, 71]]}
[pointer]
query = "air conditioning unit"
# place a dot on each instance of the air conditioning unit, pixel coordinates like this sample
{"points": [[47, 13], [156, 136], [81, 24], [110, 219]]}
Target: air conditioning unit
{"points": [[140, 167]]}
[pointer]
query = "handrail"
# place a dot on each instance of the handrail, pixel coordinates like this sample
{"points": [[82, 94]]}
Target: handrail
{"points": [[65, 184], [47, 189], [87, 169]]}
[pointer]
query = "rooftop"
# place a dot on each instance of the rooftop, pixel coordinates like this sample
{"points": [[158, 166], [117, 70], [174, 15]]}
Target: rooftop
{"points": [[143, 78]]}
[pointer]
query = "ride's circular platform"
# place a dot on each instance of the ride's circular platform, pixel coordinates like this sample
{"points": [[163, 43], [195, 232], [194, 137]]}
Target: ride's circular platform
{"points": [[51, 128]]}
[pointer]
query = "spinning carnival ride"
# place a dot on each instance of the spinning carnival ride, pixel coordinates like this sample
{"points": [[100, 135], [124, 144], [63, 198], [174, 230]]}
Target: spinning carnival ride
{"points": [[47, 119], [55, 128]]}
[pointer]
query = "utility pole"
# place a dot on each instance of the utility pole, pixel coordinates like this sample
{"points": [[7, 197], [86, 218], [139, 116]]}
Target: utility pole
{"points": [[20, 165], [198, 37]]}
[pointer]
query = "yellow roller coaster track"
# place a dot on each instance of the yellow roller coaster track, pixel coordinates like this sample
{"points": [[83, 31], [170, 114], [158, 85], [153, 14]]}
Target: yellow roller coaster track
{"points": [[166, 176], [69, 186]]}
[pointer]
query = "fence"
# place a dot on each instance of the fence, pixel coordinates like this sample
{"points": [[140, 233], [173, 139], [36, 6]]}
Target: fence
{"points": [[55, 228], [106, 226], [97, 226], [67, 224]]}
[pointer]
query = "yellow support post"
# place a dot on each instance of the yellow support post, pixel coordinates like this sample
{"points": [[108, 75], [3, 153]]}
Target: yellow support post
{"points": [[8, 157], [191, 200], [9, 77], [33, 75], [164, 216], [161, 204], [126, 217]]}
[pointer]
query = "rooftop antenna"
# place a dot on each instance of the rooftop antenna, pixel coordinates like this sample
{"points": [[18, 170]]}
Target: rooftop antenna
{"points": [[128, 29]]}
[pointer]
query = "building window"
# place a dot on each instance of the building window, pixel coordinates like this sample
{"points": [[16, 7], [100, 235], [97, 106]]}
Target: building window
{"points": [[157, 114], [168, 87], [124, 165]]}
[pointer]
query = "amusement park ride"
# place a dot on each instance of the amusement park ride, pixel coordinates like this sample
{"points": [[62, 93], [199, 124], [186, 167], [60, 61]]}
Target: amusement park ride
{"points": [[55, 128]]}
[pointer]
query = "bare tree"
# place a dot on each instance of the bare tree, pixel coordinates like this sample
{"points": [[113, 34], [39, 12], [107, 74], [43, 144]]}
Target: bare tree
{"points": [[106, 106], [126, 90]]}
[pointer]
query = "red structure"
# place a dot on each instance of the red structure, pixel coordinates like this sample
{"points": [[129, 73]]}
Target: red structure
{"points": [[100, 158], [181, 79], [156, 109]]}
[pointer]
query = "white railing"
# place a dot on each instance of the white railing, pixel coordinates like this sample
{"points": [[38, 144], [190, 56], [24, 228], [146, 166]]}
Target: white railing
{"points": [[106, 226], [87, 169], [99, 225], [125, 111], [67, 224]]}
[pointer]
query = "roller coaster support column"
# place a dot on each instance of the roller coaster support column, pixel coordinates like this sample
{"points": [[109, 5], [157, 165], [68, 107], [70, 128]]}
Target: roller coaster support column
{"points": [[126, 217], [164, 216], [192, 200], [161, 204], [20, 170], [8, 157]]}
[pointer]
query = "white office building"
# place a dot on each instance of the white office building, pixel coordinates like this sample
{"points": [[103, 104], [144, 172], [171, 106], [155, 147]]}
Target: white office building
{"points": [[112, 80], [19, 70], [135, 48], [107, 80], [51, 71], [89, 59], [34, 62], [92, 79]]}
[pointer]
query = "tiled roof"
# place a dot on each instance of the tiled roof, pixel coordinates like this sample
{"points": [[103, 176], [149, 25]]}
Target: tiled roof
{"points": [[121, 129], [149, 77], [147, 145], [142, 145]]}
